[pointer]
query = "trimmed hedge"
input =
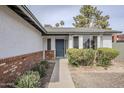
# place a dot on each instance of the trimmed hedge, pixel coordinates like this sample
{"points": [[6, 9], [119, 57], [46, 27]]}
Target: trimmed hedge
{"points": [[86, 57], [80, 56], [74, 56], [105, 55]]}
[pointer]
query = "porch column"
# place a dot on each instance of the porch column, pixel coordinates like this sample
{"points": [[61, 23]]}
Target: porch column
{"points": [[98, 41], [70, 41], [44, 47], [90, 41], [53, 43], [80, 41]]}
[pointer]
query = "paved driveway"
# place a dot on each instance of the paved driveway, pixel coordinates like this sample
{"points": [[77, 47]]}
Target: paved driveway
{"points": [[98, 77]]}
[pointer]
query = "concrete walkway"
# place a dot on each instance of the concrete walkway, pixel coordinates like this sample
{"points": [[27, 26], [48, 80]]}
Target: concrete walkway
{"points": [[61, 77]]}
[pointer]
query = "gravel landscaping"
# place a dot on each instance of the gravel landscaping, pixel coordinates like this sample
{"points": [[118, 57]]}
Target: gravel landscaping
{"points": [[98, 77]]}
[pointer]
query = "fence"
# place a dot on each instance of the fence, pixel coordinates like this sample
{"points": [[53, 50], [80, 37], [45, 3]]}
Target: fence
{"points": [[120, 47]]}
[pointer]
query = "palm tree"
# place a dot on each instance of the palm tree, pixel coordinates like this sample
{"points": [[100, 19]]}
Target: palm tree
{"points": [[62, 23], [57, 24]]}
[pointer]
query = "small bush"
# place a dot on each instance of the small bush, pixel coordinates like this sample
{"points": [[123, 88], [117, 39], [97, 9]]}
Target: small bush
{"points": [[105, 55], [80, 56], [74, 56], [45, 63], [28, 80], [87, 57], [41, 69]]}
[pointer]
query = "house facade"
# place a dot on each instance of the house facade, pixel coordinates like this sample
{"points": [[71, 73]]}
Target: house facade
{"points": [[25, 42], [118, 37], [58, 40]]}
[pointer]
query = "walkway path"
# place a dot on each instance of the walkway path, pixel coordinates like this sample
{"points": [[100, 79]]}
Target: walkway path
{"points": [[61, 77]]}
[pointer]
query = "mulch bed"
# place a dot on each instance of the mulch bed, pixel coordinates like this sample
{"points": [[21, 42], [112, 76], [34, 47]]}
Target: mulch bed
{"points": [[45, 80]]}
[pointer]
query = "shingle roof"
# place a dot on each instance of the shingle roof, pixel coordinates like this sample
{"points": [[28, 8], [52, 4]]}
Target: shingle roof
{"points": [[72, 30]]}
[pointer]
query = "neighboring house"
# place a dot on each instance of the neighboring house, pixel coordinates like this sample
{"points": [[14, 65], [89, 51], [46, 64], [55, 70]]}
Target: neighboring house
{"points": [[118, 43], [25, 42], [118, 37]]}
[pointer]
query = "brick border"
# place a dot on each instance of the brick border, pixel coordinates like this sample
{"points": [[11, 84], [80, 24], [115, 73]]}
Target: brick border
{"points": [[49, 55], [12, 67]]}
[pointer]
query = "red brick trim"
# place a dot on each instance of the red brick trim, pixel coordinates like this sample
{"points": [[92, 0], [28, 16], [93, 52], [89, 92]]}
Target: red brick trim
{"points": [[12, 67], [49, 55]]}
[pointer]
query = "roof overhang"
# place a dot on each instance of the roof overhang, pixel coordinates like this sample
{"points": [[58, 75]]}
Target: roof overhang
{"points": [[79, 33], [87, 31], [26, 14]]}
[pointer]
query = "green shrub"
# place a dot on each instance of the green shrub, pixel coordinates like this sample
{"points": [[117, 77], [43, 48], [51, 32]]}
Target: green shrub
{"points": [[45, 63], [87, 57], [74, 56], [41, 69], [105, 55], [80, 56], [28, 80]]}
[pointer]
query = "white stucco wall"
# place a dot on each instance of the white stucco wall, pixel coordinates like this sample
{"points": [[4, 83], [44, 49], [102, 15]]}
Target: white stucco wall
{"points": [[107, 41], [17, 37]]}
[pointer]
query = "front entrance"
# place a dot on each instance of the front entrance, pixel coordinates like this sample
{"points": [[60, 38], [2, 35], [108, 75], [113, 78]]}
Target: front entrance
{"points": [[59, 47]]}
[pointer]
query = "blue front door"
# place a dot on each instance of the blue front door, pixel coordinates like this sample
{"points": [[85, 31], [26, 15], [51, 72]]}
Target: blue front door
{"points": [[59, 47]]}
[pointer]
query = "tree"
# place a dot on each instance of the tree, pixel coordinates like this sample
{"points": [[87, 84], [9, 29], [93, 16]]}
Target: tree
{"points": [[57, 24], [90, 16], [62, 23]]}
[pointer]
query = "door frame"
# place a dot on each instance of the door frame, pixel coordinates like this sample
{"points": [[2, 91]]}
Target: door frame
{"points": [[63, 49]]}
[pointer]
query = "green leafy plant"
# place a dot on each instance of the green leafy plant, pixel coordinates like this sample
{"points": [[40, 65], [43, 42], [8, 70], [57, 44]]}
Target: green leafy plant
{"points": [[41, 69], [80, 56], [105, 55], [29, 79], [74, 56], [87, 56], [45, 63]]}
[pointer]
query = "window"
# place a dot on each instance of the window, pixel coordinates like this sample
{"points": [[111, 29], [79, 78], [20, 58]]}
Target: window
{"points": [[76, 42], [48, 44]]}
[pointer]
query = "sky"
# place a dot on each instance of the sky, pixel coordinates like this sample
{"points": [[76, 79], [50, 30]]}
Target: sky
{"points": [[51, 14]]}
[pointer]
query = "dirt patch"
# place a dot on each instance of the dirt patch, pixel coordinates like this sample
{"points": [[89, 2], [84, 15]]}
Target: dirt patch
{"points": [[98, 77]]}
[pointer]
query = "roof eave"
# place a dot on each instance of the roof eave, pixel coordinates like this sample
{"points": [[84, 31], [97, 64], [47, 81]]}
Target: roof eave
{"points": [[66, 33], [33, 21]]}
